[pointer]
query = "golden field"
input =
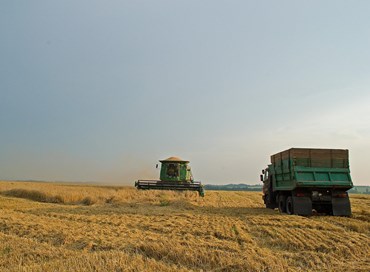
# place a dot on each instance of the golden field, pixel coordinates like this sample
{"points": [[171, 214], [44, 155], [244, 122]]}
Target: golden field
{"points": [[66, 227]]}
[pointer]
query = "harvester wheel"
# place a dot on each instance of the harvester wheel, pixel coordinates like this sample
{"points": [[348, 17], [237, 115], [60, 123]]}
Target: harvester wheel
{"points": [[289, 205], [282, 203]]}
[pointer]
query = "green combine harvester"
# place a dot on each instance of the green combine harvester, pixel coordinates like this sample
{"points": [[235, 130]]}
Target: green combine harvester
{"points": [[299, 180], [175, 175]]}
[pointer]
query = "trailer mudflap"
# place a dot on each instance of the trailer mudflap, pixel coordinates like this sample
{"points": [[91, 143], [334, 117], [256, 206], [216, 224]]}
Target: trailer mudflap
{"points": [[302, 205], [341, 206]]}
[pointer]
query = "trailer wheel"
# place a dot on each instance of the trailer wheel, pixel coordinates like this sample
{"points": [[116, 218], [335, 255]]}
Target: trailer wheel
{"points": [[282, 203], [289, 205]]}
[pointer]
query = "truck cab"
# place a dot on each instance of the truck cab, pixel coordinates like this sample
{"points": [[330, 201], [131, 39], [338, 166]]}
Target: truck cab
{"points": [[267, 189]]}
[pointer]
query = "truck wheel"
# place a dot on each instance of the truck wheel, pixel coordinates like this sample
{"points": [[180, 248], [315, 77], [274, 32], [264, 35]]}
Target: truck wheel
{"points": [[289, 205], [282, 203], [268, 201]]}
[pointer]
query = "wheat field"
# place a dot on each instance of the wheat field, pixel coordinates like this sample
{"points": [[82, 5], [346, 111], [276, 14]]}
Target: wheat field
{"points": [[67, 227]]}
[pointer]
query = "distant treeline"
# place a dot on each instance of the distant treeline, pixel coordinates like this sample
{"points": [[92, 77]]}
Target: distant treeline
{"points": [[360, 190], [257, 187]]}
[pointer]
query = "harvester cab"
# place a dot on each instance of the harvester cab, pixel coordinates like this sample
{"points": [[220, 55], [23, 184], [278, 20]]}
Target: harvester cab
{"points": [[175, 175]]}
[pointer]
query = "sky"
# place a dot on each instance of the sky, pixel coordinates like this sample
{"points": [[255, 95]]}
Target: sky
{"points": [[101, 90]]}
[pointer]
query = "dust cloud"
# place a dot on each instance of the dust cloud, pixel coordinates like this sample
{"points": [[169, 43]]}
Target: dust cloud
{"points": [[127, 170]]}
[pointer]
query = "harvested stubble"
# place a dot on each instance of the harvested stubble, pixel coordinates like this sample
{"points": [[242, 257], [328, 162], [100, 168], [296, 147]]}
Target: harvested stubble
{"points": [[122, 229]]}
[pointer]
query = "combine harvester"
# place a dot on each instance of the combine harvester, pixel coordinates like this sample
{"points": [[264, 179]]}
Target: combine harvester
{"points": [[175, 175], [299, 180]]}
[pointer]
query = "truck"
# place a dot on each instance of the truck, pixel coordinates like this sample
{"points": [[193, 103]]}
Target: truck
{"points": [[300, 180]]}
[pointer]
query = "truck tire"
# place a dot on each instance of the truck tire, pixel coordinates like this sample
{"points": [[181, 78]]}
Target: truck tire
{"points": [[289, 205], [282, 203], [268, 203]]}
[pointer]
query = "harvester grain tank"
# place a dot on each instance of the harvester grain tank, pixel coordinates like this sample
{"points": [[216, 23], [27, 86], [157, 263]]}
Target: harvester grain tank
{"points": [[299, 180], [175, 175]]}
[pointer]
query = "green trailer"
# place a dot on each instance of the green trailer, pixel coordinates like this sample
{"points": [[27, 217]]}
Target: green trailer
{"points": [[175, 175], [300, 180]]}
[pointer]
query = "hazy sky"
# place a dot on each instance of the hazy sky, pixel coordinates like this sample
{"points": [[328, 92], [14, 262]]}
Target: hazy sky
{"points": [[101, 90]]}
